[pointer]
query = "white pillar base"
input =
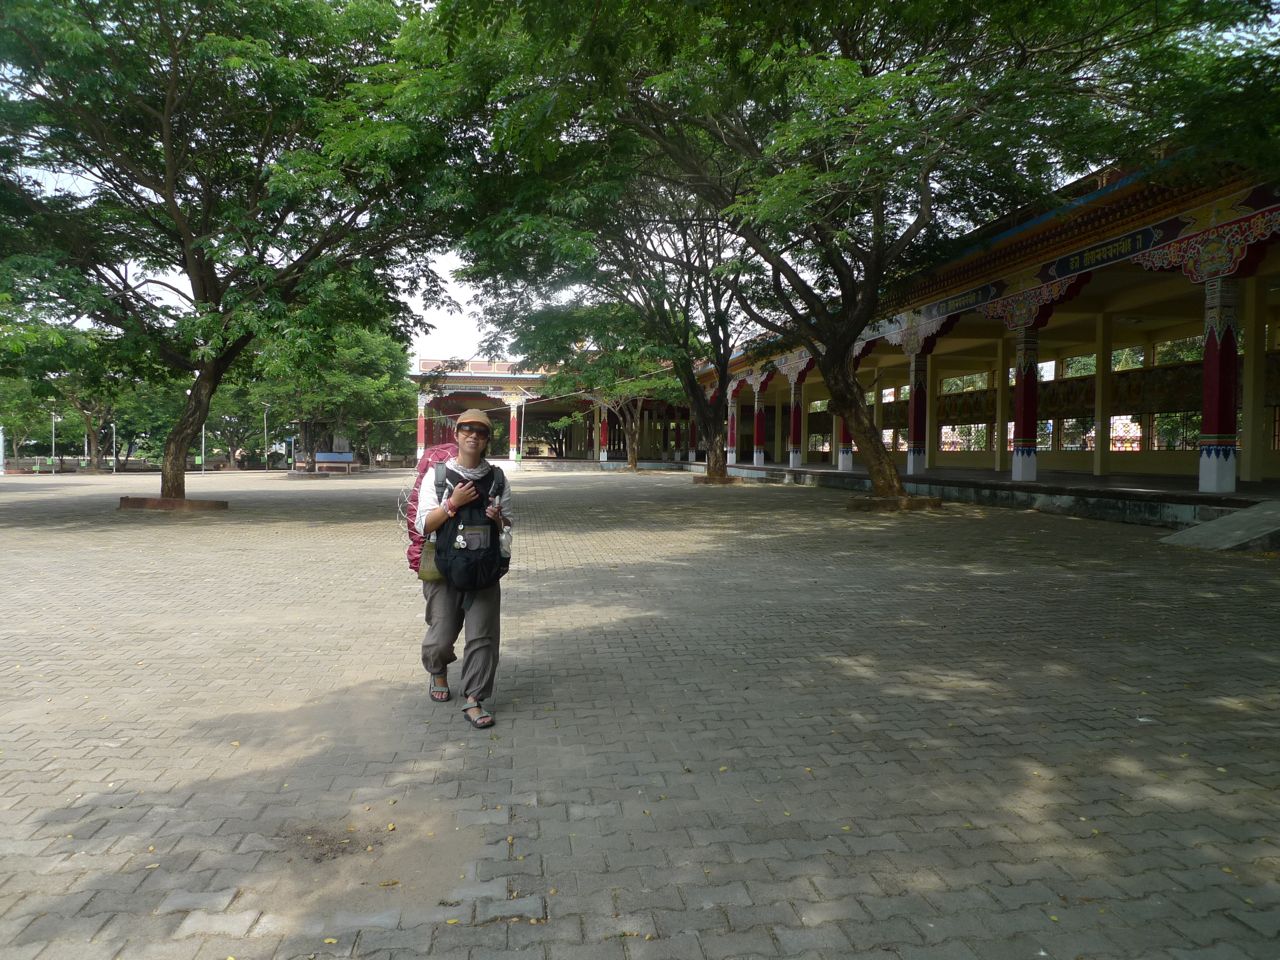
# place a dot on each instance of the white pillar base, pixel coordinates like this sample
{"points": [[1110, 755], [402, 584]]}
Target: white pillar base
{"points": [[916, 461], [1024, 468], [604, 456], [731, 457], [1217, 472], [693, 455], [421, 451], [757, 458], [846, 460], [794, 460]]}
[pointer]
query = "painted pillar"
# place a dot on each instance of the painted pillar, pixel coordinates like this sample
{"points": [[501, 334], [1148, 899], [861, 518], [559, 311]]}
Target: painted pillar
{"points": [[693, 437], [677, 452], [846, 447], [1000, 455], [1025, 406], [1218, 420], [877, 409], [513, 431], [1102, 398], [422, 424], [731, 441], [757, 432], [918, 414], [932, 430], [666, 434], [793, 438], [1255, 433], [602, 434]]}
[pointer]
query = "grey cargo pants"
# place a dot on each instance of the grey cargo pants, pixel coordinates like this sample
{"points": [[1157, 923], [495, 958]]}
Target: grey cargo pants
{"points": [[446, 619]]}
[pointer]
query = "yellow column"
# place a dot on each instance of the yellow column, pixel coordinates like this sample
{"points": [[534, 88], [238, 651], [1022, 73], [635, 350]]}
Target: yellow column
{"points": [[1102, 397], [932, 379], [1254, 428], [804, 426]]}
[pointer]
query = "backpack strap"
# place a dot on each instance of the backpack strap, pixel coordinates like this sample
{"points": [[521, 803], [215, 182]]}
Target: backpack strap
{"points": [[440, 482], [499, 483]]}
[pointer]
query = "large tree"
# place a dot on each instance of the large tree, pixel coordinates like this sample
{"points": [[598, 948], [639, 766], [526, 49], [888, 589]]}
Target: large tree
{"points": [[607, 237], [201, 174], [848, 144]]}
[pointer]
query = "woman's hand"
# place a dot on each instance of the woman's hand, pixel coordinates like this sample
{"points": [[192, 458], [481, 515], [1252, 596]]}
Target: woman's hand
{"points": [[494, 511], [463, 493]]}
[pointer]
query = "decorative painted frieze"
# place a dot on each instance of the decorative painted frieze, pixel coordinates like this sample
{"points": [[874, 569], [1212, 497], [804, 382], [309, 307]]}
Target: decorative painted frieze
{"points": [[1216, 251]]}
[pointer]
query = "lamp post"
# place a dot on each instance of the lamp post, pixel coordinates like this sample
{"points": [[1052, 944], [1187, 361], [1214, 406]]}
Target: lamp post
{"points": [[266, 455], [115, 456], [53, 442]]}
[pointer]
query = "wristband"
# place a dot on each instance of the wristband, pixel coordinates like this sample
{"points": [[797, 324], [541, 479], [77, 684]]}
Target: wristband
{"points": [[448, 512]]}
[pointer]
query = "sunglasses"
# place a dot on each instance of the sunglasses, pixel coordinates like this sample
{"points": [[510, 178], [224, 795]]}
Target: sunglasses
{"points": [[472, 428]]}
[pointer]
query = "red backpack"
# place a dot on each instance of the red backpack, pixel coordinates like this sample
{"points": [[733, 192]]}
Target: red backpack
{"points": [[433, 455]]}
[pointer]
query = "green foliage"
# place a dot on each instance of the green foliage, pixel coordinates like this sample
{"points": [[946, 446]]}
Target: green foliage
{"points": [[198, 176], [356, 386]]}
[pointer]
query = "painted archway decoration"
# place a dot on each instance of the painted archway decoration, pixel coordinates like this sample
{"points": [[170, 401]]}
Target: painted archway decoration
{"points": [[1032, 307]]}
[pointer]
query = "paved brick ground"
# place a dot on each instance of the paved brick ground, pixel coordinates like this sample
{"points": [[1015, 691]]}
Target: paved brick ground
{"points": [[732, 723]]}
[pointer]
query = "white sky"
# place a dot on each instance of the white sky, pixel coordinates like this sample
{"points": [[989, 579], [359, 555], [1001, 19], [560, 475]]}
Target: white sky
{"points": [[456, 334]]}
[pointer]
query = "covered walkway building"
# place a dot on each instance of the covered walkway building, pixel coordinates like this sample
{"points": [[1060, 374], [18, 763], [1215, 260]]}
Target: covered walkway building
{"points": [[1133, 331]]}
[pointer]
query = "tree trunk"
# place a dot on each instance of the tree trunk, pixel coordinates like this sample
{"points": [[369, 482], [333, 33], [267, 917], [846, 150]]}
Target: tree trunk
{"points": [[712, 428], [848, 400], [631, 429], [173, 471], [95, 451], [717, 464]]}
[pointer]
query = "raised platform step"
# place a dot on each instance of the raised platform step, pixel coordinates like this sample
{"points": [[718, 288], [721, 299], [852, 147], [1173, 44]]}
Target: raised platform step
{"points": [[1252, 528]]}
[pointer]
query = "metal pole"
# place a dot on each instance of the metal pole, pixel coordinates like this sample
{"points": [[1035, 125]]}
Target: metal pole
{"points": [[53, 442], [520, 446], [202, 448], [266, 457], [115, 457], [1, 451]]}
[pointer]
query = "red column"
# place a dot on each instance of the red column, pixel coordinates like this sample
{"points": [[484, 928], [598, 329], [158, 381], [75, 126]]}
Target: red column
{"points": [[757, 426], [422, 427], [793, 437], [693, 431], [1026, 391], [513, 431], [604, 430]]}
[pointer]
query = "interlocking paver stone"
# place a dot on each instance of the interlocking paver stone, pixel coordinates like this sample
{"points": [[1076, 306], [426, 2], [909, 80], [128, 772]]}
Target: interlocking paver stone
{"points": [[739, 722]]}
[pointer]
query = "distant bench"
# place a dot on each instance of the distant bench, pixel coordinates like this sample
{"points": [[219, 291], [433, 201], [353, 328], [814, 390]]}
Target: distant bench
{"points": [[336, 462]]}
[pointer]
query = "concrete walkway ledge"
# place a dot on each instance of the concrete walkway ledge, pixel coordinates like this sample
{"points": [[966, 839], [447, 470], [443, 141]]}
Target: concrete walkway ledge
{"points": [[872, 504], [171, 503]]}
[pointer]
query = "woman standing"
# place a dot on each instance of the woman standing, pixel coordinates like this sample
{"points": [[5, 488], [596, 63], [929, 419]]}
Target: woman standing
{"points": [[475, 514]]}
